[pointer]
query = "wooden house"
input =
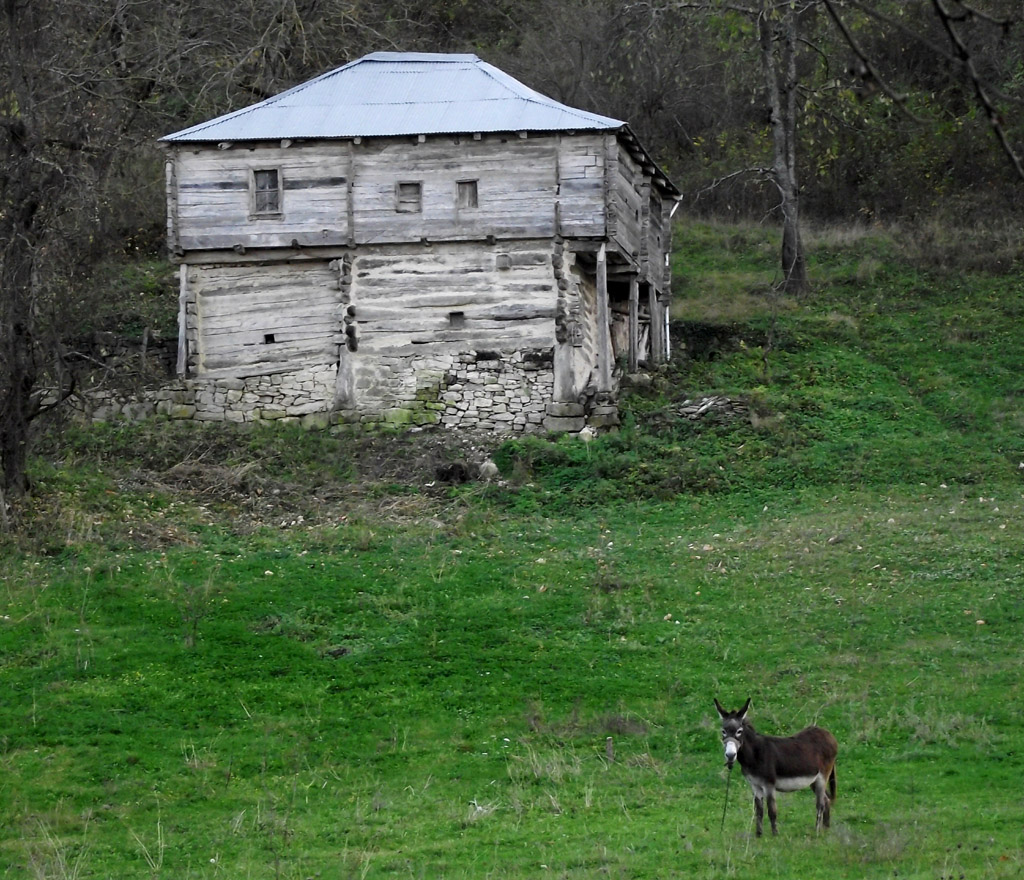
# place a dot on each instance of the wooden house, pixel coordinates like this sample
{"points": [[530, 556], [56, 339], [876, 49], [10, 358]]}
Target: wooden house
{"points": [[417, 239]]}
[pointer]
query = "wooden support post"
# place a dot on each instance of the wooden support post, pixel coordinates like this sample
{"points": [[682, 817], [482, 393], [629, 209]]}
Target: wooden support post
{"points": [[183, 321], [604, 330], [657, 333], [634, 323]]}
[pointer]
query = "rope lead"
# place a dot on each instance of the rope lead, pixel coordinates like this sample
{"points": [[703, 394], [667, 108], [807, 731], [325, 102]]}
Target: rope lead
{"points": [[725, 807]]}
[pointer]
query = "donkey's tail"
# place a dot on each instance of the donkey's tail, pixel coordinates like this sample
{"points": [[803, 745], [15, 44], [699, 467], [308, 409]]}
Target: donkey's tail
{"points": [[832, 784]]}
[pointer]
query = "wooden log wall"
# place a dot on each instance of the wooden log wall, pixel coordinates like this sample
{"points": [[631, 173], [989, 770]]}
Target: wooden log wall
{"points": [[515, 179], [421, 311], [210, 196], [581, 185], [450, 298], [344, 193], [627, 203], [257, 319]]}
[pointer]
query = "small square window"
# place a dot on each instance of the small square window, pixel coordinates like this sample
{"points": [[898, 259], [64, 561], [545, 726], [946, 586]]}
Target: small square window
{"points": [[266, 191], [409, 198], [466, 194]]}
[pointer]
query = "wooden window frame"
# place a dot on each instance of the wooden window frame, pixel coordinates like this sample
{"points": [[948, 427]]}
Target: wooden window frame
{"points": [[463, 186], [255, 213], [403, 204]]}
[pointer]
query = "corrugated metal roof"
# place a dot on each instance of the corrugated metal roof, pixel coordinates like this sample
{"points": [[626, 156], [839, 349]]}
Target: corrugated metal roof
{"points": [[399, 93]]}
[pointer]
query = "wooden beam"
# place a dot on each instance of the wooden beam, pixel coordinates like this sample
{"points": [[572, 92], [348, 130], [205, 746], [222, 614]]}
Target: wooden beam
{"points": [[604, 330], [171, 189], [634, 324], [657, 343], [182, 368]]}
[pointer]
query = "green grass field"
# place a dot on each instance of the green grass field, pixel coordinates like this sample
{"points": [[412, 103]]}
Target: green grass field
{"points": [[268, 664]]}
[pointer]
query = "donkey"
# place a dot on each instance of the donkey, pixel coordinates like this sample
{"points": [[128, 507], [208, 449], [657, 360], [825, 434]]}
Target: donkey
{"points": [[777, 763]]}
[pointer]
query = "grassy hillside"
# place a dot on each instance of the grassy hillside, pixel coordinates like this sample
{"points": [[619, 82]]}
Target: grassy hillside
{"points": [[277, 654]]}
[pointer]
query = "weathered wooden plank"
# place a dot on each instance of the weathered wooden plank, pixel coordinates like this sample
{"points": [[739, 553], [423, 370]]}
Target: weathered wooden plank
{"points": [[453, 342], [634, 324], [454, 283], [171, 191], [245, 350], [470, 320], [292, 312], [228, 240], [280, 287], [254, 350], [224, 333], [239, 310], [282, 362], [240, 302], [183, 343]]}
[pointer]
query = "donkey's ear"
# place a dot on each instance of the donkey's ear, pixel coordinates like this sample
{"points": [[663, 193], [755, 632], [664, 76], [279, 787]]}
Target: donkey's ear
{"points": [[743, 711], [718, 706]]}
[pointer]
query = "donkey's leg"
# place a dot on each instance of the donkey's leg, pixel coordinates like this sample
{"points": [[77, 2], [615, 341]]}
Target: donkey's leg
{"points": [[759, 814], [823, 805], [773, 812]]}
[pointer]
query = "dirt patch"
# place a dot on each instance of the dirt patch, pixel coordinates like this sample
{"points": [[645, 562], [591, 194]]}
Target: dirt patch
{"points": [[393, 478]]}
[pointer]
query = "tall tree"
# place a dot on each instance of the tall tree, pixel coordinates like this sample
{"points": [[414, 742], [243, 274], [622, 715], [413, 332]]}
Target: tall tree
{"points": [[78, 76], [834, 73], [775, 26], [778, 35]]}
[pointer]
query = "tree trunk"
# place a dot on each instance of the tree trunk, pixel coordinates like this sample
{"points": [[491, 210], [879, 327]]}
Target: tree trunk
{"points": [[15, 412], [18, 374], [20, 202], [777, 33]]}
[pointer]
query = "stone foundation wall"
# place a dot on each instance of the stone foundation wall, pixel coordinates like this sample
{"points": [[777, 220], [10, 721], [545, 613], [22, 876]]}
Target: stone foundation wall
{"points": [[504, 392], [303, 394], [274, 396], [507, 392]]}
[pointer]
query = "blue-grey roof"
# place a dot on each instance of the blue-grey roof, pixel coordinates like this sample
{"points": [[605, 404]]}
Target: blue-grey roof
{"points": [[399, 93]]}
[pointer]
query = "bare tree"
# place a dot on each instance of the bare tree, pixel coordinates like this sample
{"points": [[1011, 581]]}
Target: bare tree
{"points": [[78, 75], [778, 36], [804, 47], [776, 25]]}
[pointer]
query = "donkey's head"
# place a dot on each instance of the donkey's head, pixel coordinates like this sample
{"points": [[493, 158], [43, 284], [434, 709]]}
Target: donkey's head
{"points": [[732, 730]]}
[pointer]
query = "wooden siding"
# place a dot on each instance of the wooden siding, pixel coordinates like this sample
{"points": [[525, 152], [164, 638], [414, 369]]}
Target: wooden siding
{"points": [[257, 319], [581, 174], [654, 239], [515, 188], [210, 201], [344, 193], [454, 298], [626, 202], [584, 186]]}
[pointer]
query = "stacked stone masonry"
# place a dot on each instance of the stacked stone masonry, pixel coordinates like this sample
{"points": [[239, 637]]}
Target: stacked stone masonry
{"points": [[503, 392]]}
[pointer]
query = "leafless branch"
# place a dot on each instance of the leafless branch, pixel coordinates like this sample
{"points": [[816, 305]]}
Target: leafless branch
{"points": [[980, 89], [936, 48], [765, 173], [872, 72]]}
